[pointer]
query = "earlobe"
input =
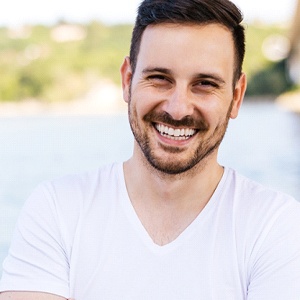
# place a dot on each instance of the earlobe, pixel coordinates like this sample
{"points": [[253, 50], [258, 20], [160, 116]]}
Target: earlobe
{"points": [[238, 95], [126, 74]]}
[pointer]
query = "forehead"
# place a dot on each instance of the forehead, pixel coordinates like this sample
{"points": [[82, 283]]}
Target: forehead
{"points": [[188, 45]]}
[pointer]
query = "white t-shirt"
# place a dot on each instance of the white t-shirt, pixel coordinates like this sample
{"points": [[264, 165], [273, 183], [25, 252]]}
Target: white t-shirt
{"points": [[80, 237]]}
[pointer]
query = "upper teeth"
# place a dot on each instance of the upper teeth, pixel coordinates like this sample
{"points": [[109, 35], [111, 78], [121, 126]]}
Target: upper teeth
{"points": [[175, 132]]}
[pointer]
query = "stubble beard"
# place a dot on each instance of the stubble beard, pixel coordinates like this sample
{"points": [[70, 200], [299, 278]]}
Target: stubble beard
{"points": [[173, 166]]}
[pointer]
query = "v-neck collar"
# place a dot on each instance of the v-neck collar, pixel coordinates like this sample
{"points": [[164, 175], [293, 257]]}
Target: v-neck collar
{"points": [[184, 236]]}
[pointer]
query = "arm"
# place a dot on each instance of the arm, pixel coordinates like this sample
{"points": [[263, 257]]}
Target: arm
{"points": [[29, 296]]}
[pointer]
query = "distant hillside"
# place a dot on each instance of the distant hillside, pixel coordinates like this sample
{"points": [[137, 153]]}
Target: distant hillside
{"points": [[63, 62]]}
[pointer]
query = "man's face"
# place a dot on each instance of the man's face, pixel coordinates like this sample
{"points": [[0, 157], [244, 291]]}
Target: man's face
{"points": [[181, 95]]}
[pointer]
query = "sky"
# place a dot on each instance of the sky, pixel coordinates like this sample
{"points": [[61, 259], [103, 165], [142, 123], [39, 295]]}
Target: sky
{"points": [[18, 12]]}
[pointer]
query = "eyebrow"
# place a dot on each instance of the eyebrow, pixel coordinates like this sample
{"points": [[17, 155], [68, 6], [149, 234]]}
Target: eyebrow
{"points": [[212, 76], [156, 69]]}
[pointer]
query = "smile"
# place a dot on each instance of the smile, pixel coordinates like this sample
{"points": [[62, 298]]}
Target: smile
{"points": [[175, 133]]}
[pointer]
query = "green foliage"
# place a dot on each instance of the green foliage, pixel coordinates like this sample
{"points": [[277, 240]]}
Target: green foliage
{"points": [[273, 80], [264, 77], [33, 64]]}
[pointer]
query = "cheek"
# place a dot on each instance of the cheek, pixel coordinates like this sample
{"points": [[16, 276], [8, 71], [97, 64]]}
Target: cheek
{"points": [[144, 102], [214, 113]]}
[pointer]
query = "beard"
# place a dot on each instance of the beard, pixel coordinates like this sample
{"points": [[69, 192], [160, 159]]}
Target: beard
{"points": [[187, 158]]}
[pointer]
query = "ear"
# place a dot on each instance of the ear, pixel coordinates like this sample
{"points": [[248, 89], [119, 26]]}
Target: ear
{"points": [[238, 95], [126, 73]]}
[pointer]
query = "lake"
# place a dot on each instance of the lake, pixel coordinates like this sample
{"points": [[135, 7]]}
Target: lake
{"points": [[263, 143]]}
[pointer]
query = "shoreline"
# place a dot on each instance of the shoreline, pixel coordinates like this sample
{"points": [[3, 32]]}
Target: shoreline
{"points": [[108, 100], [290, 101], [32, 108], [103, 98]]}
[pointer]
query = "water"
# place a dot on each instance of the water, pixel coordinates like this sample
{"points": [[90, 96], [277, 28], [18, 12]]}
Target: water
{"points": [[263, 144]]}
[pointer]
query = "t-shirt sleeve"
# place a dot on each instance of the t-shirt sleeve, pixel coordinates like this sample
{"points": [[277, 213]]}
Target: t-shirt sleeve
{"points": [[276, 270], [37, 259]]}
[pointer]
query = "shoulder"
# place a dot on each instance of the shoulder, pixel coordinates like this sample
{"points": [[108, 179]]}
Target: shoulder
{"points": [[258, 208], [66, 199], [248, 192], [85, 181], [266, 222], [75, 188], [260, 211]]}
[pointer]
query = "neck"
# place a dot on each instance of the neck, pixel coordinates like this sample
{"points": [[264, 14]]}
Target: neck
{"points": [[193, 187], [166, 204]]}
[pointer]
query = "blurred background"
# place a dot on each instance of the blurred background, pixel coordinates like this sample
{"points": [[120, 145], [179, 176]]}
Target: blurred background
{"points": [[61, 108]]}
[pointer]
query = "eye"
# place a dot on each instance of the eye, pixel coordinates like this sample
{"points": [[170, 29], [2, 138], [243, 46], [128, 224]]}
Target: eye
{"points": [[205, 86], [157, 77], [207, 83], [160, 81]]}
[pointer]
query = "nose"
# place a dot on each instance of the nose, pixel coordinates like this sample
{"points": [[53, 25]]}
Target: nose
{"points": [[179, 103]]}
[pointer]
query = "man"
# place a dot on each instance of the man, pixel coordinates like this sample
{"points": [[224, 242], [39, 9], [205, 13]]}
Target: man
{"points": [[169, 223]]}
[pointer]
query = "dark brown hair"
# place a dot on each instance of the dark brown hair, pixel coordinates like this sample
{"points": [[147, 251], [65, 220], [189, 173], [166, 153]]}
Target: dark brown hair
{"points": [[224, 12]]}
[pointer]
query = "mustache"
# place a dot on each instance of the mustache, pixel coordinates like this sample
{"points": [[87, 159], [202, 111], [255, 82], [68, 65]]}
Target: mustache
{"points": [[167, 119]]}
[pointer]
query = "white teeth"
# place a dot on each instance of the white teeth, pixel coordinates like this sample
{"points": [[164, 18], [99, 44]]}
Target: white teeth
{"points": [[189, 132], [171, 131], [175, 134]]}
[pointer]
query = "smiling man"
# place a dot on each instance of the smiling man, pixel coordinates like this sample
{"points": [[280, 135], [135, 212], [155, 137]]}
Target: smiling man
{"points": [[171, 222], [180, 107]]}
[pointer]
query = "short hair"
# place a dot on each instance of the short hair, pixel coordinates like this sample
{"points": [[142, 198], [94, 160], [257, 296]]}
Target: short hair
{"points": [[203, 12]]}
